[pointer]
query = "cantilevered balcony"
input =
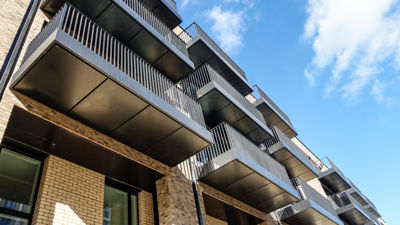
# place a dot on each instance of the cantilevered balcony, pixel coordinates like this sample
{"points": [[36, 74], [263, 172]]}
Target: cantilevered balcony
{"points": [[357, 194], [372, 209], [296, 162], [165, 10], [333, 178], [236, 166], [273, 115], [222, 102], [313, 209], [349, 210], [134, 25], [79, 69], [202, 49]]}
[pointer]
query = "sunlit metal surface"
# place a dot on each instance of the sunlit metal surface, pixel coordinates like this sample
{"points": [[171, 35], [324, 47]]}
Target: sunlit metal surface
{"points": [[108, 87], [349, 210], [239, 168], [334, 179], [222, 102], [142, 31], [203, 50], [273, 115], [313, 209], [296, 161]]}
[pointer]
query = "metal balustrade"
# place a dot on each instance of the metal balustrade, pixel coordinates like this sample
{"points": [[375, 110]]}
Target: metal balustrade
{"points": [[308, 192], [281, 137], [153, 20], [258, 93], [343, 199], [227, 138], [85, 31], [206, 74], [194, 30]]}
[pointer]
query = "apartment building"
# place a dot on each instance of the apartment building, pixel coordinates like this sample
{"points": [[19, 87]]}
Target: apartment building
{"points": [[116, 115]]}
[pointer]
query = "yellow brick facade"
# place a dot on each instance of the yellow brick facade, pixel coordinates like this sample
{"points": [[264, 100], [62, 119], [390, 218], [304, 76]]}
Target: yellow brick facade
{"points": [[69, 194], [146, 211]]}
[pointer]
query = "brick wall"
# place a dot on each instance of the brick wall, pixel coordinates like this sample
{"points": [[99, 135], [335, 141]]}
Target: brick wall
{"points": [[146, 212], [69, 194], [175, 199]]}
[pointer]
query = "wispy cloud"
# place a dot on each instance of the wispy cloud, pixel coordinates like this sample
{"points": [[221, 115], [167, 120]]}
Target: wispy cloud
{"points": [[354, 41], [184, 3], [229, 25]]}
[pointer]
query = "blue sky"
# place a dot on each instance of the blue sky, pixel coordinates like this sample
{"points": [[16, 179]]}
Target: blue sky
{"points": [[333, 67]]}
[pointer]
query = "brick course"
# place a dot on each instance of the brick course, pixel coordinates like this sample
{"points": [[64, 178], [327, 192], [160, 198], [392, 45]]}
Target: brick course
{"points": [[69, 194]]}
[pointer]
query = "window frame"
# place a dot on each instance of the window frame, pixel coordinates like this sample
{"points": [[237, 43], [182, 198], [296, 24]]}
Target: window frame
{"points": [[40, 158], [130, 190]]}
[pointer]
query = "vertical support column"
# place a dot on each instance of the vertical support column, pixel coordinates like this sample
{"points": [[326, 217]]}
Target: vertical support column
{"points": [[69, 194], [176, 204], [146, 210]]}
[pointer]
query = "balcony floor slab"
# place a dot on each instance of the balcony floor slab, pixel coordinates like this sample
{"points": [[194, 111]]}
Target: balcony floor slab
{"points": [[65, 75], [242, 178]]}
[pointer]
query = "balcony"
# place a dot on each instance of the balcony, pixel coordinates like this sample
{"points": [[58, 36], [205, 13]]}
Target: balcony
{"points": [[203, 50], [349, 210], [273, 115], [372, 209], [165, 10], [313, 209], [79, 69], [222, 102], [357, 195], [333, 178], [134, 25], [287, 153], [236, 166]]}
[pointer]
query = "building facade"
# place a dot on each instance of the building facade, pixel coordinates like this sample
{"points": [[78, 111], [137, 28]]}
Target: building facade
{"points": [[116, 115]]}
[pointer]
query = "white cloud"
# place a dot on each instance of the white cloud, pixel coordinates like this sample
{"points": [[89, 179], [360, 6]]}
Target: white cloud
{"points": [[354, 40], [228, 26], [184, 3]]}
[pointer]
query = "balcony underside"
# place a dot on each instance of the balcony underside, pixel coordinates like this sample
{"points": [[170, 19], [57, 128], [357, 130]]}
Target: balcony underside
{"points": [[28, 132], [334, 181], [200, 53], [307, 212], [219, 106], [228, 213], [244, 179], [164, 11], [353, 215], [358, 197], [66, 76], [294, 164], [273, 117], [129, 28], [374, 212]]}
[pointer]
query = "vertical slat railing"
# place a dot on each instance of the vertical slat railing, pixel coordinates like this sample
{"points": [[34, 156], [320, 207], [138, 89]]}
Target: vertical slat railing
{"points": [[157, 24], [310, 193], [44, 34], [227, 138], [85, 31], [194, 30]]}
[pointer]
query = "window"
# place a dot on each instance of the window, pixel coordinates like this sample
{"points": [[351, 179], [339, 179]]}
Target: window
{"points": [[19, 175], [120, 207]]}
